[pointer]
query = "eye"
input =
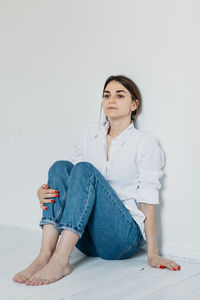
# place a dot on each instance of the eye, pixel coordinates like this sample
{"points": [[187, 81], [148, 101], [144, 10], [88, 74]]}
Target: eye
{"points": [[120, 96]]}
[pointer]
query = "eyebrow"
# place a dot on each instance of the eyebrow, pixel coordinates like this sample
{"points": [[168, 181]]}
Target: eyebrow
{"points": [[118, 91]]}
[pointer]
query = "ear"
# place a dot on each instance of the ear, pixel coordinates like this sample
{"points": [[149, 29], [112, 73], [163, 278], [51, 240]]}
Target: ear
{"points": [[134, 105]]}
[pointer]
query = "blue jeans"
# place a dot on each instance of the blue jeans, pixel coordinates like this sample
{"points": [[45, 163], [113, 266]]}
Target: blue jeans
{"points": [[89, 206]]}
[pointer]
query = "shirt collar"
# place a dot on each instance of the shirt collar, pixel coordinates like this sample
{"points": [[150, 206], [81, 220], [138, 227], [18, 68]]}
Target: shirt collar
{"points": [[103, 130]]}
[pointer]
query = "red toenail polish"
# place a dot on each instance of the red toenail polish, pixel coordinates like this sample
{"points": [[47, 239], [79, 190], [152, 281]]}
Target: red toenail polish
{"points": [[174, 269]]}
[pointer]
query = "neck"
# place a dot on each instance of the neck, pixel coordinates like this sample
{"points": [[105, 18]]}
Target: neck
{"points": [[117, 126]]}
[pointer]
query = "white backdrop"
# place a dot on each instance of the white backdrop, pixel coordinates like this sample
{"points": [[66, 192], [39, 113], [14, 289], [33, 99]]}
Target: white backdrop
{"points": [[54, 59]]}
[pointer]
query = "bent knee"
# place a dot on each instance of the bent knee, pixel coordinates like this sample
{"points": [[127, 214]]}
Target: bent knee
{"points": [[84, 165], [60, 164]]}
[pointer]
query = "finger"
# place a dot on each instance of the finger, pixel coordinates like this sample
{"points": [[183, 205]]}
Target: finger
{"points": [[43, 207], [49, 201], [175, 266], [48, 195], [161, 267], [45, 186], [50, 191], [171, 267]]}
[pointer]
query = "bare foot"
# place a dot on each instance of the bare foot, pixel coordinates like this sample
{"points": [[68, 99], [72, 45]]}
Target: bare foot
{"points": [[37, 264], [53, 271]]}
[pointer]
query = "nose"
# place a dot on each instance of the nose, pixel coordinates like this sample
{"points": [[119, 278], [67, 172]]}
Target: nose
{"points": [[111, 100]]}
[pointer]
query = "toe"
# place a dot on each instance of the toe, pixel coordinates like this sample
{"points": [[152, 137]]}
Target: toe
{"points": [[45, 281], [27, 282], [32, 279], [40, 282], [30, 282], [18, 277], [36, 281], [22, 279], [14, 278]]}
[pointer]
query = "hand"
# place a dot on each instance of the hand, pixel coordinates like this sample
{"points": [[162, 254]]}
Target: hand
{"points": [[160, 262], [43, 193]]}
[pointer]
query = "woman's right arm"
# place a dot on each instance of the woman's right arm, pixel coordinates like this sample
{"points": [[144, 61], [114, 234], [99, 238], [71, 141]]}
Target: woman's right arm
{"points": [[43, 193]]}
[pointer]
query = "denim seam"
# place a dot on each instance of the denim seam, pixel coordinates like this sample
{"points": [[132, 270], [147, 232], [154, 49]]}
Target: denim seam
{"points": [[86, 204], [113, 200], [83, 213], [62, 207], [131, 246]]}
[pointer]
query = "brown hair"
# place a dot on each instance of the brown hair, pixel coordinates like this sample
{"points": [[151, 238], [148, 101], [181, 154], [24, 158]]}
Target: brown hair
{"points": [[132, 88]]}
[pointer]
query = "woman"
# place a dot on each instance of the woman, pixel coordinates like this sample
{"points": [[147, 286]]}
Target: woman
{"points": [[104, 198]]}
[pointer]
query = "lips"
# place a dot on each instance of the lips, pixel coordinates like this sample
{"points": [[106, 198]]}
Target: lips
{"points": [[111, 107]]}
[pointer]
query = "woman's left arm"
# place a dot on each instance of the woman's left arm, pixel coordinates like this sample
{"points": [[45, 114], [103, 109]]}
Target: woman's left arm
{"points": [[150, 227], [154, 259]]}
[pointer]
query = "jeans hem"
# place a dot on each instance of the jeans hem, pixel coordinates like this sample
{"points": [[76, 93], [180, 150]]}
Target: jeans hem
{"points": [[69, 227], [45, 221]]}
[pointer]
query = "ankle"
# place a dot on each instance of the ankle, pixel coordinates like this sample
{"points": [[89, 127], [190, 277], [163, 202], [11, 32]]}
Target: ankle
{"points": [[46, 252], [61, 258]]}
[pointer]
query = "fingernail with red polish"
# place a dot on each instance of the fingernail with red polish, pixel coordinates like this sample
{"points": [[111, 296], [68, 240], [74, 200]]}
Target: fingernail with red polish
{"points": [[46, 207], [52, 200], [162, 267]]}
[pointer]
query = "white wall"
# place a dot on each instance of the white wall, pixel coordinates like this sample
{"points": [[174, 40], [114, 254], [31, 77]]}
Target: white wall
{"points": [[54, 59]]}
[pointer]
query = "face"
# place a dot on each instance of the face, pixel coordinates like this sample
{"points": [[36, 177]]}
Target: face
{"points": [[117, 96]]}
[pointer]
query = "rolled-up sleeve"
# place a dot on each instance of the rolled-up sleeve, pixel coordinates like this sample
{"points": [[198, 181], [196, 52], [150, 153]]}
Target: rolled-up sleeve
{"points": [[150, 161], [79, 146]]}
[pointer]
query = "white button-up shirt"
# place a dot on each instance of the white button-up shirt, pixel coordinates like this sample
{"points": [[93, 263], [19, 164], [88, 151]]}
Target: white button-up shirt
{"points": [[134, 166]]}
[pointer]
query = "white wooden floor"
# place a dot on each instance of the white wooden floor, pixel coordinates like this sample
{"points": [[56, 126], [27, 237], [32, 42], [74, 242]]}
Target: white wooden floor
{"points": [[93, 277]]}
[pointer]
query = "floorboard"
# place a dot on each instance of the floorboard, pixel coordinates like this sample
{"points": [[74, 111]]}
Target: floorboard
{"points": [[93, 277]]}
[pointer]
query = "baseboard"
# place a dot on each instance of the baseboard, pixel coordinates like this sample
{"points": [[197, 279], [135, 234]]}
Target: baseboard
{"points": [[178, 251]]}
